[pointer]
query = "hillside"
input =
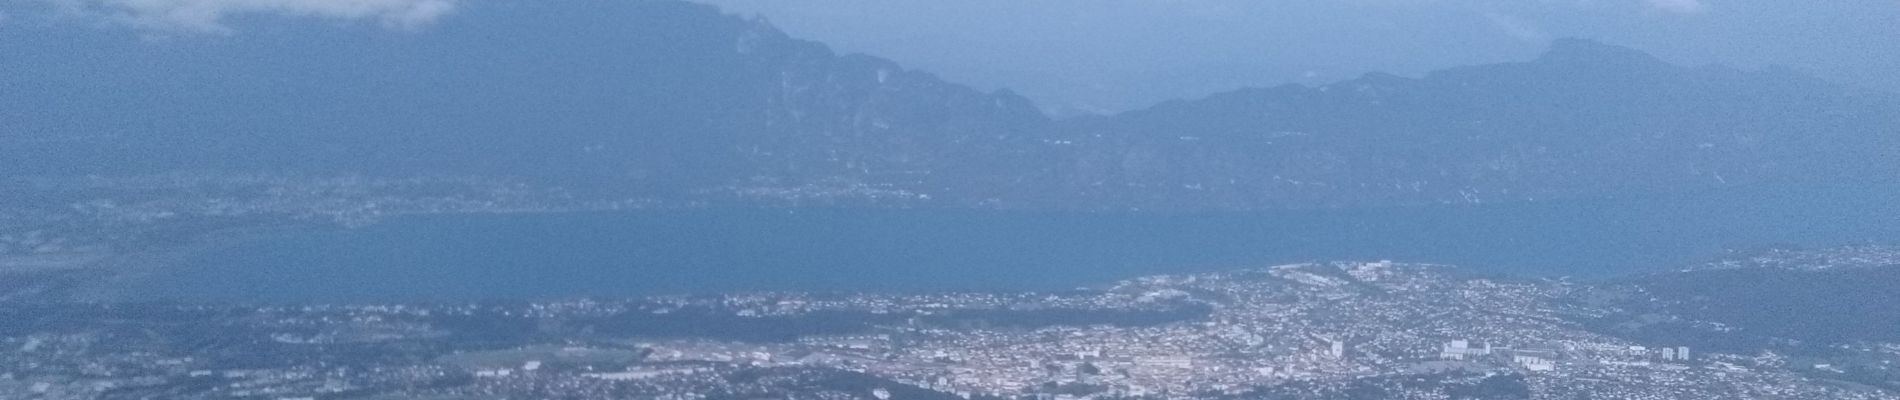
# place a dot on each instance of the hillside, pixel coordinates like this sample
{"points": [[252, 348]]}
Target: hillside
{"points": [[1583, 120], [681, 104]]}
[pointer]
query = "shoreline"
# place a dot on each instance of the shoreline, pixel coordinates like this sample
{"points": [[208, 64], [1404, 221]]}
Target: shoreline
{"points": [[116, 278]]}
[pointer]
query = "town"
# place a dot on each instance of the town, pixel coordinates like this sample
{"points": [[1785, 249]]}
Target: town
{"points": [[1331, 330]]}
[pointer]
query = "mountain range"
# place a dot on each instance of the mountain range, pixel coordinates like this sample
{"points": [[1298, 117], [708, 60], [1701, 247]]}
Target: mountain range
{"points": [[670, 100]]}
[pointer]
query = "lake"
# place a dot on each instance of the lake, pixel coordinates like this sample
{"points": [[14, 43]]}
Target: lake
{"points": [[647, 252]]}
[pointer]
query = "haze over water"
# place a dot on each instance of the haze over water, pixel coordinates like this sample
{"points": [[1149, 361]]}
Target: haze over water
{"points": [[651, 252]]}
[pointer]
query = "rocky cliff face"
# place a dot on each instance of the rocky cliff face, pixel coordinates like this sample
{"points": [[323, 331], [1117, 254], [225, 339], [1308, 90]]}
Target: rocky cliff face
{"points": [[670, 100], [647, 97]]}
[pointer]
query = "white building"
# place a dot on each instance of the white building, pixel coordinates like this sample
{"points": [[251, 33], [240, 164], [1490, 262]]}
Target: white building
{"points": [[1179, 362], [1534, 364], [1461, 349]]}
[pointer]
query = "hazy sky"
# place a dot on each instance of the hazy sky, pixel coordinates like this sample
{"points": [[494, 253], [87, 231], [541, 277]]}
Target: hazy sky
{"points": [[1122, 54], [1117, 54]]}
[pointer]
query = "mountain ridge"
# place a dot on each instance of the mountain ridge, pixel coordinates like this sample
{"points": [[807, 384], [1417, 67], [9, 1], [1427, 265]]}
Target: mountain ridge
{"points": [[684, 103]]}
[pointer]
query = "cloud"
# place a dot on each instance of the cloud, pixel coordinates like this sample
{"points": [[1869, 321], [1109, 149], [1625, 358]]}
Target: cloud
{"points": [[209, 16], [1678, 6]]}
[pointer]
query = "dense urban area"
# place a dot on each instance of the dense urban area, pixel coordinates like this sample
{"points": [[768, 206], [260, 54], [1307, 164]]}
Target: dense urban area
{"points": [[1338, 330]]}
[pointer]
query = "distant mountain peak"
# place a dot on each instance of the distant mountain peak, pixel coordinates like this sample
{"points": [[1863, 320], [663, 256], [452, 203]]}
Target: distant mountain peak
{"points": [[677, 101]]}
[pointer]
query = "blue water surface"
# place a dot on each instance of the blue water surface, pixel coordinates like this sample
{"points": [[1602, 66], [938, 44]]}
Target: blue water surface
{"points": [[680, 251]]}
